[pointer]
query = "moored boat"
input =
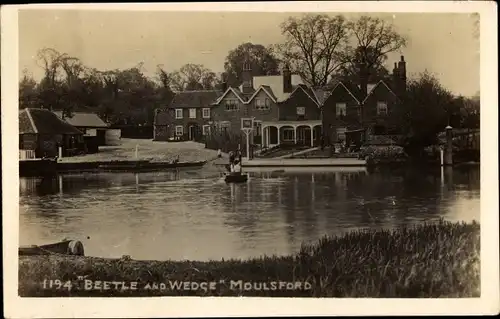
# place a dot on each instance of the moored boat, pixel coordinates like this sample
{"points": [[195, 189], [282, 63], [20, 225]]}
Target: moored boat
{"points": [[236, 178], [65, 247]]}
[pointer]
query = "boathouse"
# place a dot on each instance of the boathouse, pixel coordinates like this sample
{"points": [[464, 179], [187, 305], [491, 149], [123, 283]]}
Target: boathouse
{"points": [[90, 124], [41, 133]]}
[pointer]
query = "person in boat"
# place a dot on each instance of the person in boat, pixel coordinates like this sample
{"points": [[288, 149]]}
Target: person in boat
{"points": [[231, 161], [219, 153], [238, 154], [236, 168]]}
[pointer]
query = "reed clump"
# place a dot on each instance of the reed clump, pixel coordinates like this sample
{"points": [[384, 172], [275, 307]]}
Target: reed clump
{"points": [[426, 261]]}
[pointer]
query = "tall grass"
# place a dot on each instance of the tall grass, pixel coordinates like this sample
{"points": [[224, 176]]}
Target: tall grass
{"points": [[428, 261]]}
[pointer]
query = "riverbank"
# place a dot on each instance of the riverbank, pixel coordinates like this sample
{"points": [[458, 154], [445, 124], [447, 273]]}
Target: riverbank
{"points": [[147, 150], [131, 155], [429, 260]]}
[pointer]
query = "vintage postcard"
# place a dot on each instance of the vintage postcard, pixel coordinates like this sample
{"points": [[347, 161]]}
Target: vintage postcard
{"points": [[258, 159]]}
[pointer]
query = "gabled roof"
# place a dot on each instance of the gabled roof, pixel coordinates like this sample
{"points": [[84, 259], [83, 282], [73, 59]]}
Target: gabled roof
{"points": [[351, 89], [381, 82], [235, 91], [321, 95], [267, 89], [308, 91], [40, 121], [275, 83], [194, 99], [82, 119]]}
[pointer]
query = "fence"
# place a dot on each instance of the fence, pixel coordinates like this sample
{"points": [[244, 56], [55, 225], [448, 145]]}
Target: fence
{"points": [[26, 154]]}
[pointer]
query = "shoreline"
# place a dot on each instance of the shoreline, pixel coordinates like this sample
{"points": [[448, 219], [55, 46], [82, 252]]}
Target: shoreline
{"points": [[404, 262]]}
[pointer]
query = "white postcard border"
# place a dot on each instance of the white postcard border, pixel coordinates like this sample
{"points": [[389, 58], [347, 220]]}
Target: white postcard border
{"points": [[16, 307]]}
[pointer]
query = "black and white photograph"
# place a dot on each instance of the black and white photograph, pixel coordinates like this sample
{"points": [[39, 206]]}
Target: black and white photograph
{"points": [[282, 151]]}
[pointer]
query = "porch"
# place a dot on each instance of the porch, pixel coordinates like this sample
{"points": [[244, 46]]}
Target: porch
{"points": [[307, 133]]}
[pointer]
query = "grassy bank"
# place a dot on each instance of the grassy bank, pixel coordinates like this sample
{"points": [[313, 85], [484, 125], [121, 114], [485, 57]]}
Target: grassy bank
{"points": [[147, 150], [430, 260]]}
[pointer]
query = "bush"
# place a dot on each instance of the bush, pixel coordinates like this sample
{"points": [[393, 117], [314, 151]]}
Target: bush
{"points": [[383, 152]]}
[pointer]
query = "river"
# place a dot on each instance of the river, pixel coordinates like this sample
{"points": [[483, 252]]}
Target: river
{"points": [[195, 215]]}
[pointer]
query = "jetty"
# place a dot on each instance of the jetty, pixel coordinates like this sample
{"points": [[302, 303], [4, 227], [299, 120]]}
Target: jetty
{"points": [[301, 162]]}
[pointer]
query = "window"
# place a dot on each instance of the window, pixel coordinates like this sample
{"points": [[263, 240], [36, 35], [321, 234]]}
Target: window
{"points": [[178, 113], [381, 108], [288, 133], [206, 113], [262, 104], [301, 110], [192, 113], [206, 129], [341, 133], [231, 105], [340, 109], [179, 130], [257, 127]]}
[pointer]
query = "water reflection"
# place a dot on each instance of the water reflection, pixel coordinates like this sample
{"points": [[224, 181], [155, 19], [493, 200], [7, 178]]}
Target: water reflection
{"points": [[196, 215]]}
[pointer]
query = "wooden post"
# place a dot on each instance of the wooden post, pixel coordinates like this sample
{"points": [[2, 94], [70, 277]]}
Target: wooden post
{"points": [[60, 152], [448, 151], [248, 145], [136, 150], [441, 155]]}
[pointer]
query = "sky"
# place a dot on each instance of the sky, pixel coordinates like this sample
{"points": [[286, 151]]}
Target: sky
{"points": [[442, 43]]}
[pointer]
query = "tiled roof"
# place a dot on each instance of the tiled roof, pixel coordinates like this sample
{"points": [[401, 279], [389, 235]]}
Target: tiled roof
{"points": [[43, 122], [193, 99], [83, 119], [321, 94], [381, 82], [275, 83]]}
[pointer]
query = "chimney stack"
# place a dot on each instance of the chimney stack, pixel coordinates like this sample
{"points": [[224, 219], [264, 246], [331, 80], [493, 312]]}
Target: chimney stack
{"points": [[223, 83], [402, 73], [247, 77], [363, 79], [287, 79]]}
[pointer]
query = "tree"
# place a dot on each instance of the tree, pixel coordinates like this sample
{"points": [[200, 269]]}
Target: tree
{"points": [[193, 77], [425, 111], [353, 68], [312, 47], [28, 91], [165, 93], [373, 39], [262, 61]]}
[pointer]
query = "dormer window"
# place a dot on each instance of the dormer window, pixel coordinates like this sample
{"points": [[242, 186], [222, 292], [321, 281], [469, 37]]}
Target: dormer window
{"points": [[231, 105], [262, 104], [381, 108]]}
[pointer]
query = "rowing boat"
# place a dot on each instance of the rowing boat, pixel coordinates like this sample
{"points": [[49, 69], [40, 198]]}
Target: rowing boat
{"points": [[236, 178], [65, 247]]}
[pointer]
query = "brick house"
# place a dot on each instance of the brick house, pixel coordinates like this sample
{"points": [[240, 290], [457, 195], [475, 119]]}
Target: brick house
{"points": [[284, 109], [354, 113], [187, 118]]}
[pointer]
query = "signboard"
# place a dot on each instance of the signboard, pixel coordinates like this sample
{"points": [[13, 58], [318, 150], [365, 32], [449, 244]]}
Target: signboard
{"points": [[247, 124], [247, 127]]}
